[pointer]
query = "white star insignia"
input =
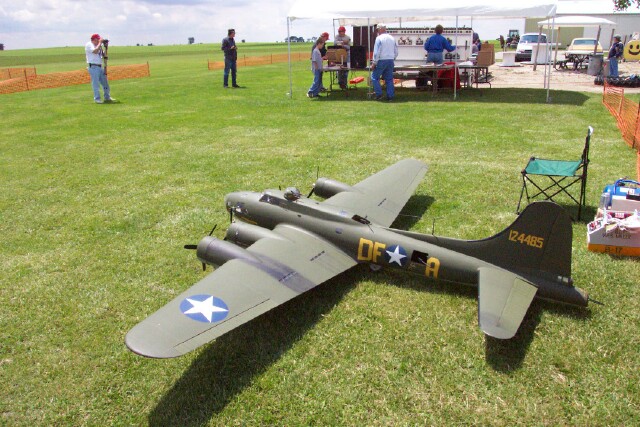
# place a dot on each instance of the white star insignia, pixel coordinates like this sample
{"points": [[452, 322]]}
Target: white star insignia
{"points": [[396, 256], [206, 308]]}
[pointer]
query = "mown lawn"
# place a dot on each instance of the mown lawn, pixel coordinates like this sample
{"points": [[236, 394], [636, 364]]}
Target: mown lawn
{"points": [[98, 200]]}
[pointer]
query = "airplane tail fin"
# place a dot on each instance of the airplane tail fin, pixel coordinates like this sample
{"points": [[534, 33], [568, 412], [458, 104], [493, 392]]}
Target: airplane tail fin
{"points": [[538, 241]]}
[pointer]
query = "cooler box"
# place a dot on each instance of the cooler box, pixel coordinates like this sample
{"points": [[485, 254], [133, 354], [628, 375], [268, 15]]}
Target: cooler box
{"points": [[622, 196]]}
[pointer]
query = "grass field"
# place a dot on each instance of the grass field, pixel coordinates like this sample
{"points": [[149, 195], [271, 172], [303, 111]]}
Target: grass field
{"points": [[98, 200]]}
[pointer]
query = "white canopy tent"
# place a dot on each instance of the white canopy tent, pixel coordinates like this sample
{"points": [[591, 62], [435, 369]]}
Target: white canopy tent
{"points": [[576, 21], [371, 12]]}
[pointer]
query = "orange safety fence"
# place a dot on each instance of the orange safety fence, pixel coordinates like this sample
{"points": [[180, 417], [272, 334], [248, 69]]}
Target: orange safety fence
{"points": [[627, 115], [10, 73], [247, 61], [27, 80]]}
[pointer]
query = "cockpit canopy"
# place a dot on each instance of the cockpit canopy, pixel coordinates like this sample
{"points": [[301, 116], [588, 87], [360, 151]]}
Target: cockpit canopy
{"points": [[292, 194]]}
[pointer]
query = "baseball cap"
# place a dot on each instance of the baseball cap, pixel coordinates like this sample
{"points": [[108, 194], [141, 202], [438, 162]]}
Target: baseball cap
{"points": [[95, 36], [341, 29], [325, 35]]}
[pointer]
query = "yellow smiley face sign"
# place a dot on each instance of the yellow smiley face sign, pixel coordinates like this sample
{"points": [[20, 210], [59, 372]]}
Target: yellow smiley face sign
{"points": [[632, 51]]}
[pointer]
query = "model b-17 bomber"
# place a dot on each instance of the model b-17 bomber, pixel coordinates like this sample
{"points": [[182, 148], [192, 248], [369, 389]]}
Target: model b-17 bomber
{"points": [[282, 244]]}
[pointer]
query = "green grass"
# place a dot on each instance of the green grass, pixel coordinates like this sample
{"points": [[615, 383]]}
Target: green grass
{"points": [[97, 201]]}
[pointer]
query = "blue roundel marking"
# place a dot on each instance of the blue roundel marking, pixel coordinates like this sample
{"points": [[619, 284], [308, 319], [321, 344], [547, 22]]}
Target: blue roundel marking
{"points": [[396, 254], [204, 308]]}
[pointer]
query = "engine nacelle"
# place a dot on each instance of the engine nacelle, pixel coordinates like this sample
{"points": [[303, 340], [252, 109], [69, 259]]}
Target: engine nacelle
{"points": [[243, 234], [325, 187], [216, 252]]}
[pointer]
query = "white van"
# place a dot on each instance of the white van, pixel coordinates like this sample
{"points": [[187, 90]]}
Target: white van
{"points": [[525, 45]]}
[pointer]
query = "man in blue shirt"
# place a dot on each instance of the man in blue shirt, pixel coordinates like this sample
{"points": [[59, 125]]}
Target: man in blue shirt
{"points": [[385, 52], [436, 45], [230, 58], [615, 53]]}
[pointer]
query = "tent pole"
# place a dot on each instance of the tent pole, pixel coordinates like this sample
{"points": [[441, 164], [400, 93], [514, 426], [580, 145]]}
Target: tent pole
{"points": [[455, 65], [613, 32], [535, 57], [289, 53], [595, 48], [553, 25], [555, 55], [367, 59]]}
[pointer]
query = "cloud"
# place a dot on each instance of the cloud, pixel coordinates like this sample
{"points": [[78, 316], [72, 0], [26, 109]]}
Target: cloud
{"points": [[48, 23]]}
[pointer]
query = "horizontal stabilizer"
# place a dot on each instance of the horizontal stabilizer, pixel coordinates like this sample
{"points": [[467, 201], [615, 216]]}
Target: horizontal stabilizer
{"points": [[503, 300]]}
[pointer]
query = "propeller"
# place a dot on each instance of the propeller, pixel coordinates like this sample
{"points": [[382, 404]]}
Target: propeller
{"points": [[194, 247], [313, 187]]}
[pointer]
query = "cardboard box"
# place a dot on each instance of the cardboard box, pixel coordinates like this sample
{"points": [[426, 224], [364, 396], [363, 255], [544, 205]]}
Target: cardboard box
{"points": [[338, 56], [613, 235], [486, 47], [484, 59]]}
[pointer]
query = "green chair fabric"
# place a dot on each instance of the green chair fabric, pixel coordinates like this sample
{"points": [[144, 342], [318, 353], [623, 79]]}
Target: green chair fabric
{"points": [[552, 167]]}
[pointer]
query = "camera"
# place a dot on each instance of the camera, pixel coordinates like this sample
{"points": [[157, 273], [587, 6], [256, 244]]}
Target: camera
{"points": [[105, 42]]}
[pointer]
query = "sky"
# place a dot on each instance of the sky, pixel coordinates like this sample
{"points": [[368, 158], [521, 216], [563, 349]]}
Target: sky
{"points": [[26, 24]]}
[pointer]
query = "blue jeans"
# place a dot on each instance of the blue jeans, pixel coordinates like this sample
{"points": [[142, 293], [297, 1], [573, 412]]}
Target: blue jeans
{"points": [[384, 69], [435, 57], [317, 83], [99, 78], [613, 67], [230, 65]]}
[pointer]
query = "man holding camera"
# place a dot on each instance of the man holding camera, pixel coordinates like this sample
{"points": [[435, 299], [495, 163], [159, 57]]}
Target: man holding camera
{"points": [[95, 54]]}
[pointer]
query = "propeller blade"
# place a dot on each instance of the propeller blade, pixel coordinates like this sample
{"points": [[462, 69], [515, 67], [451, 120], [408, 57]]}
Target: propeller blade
{"points": [[213, 229], [230, 215], [313, 187], [191, 246]]}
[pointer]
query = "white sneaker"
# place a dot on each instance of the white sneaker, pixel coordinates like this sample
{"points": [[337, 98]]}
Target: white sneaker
{"points": [[110, 100], [98, 101]]}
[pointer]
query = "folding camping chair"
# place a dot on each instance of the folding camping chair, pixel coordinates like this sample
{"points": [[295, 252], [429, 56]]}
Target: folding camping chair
{"points": [[551, 178]]}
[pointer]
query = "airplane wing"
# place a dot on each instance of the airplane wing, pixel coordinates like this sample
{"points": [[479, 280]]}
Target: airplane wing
{"points": [[238, 291], [382, 196], [503, 301]]}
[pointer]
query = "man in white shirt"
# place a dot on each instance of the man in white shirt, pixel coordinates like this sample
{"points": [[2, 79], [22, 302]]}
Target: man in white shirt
{"points": [[385, 52], [94, 53]]}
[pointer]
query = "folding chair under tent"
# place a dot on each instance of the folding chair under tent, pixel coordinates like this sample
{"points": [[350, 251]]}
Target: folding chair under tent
{"points": [[551, 179]]}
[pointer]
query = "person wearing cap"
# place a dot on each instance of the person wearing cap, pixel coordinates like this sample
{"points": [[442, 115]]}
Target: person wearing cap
{"points": [[344, 41], [436, 44], [385, 51], [323, 53], [230, 58], [615, 53], [95, 54]]}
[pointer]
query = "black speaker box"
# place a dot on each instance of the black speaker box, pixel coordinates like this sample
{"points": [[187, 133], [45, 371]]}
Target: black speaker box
{"points": [[358, 57]]}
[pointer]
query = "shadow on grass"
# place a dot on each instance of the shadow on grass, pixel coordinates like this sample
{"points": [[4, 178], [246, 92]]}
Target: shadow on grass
{"points": [[586, 216], [413, 211], [502, 355], [508, 355], [497, 95], [232, 362]]}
